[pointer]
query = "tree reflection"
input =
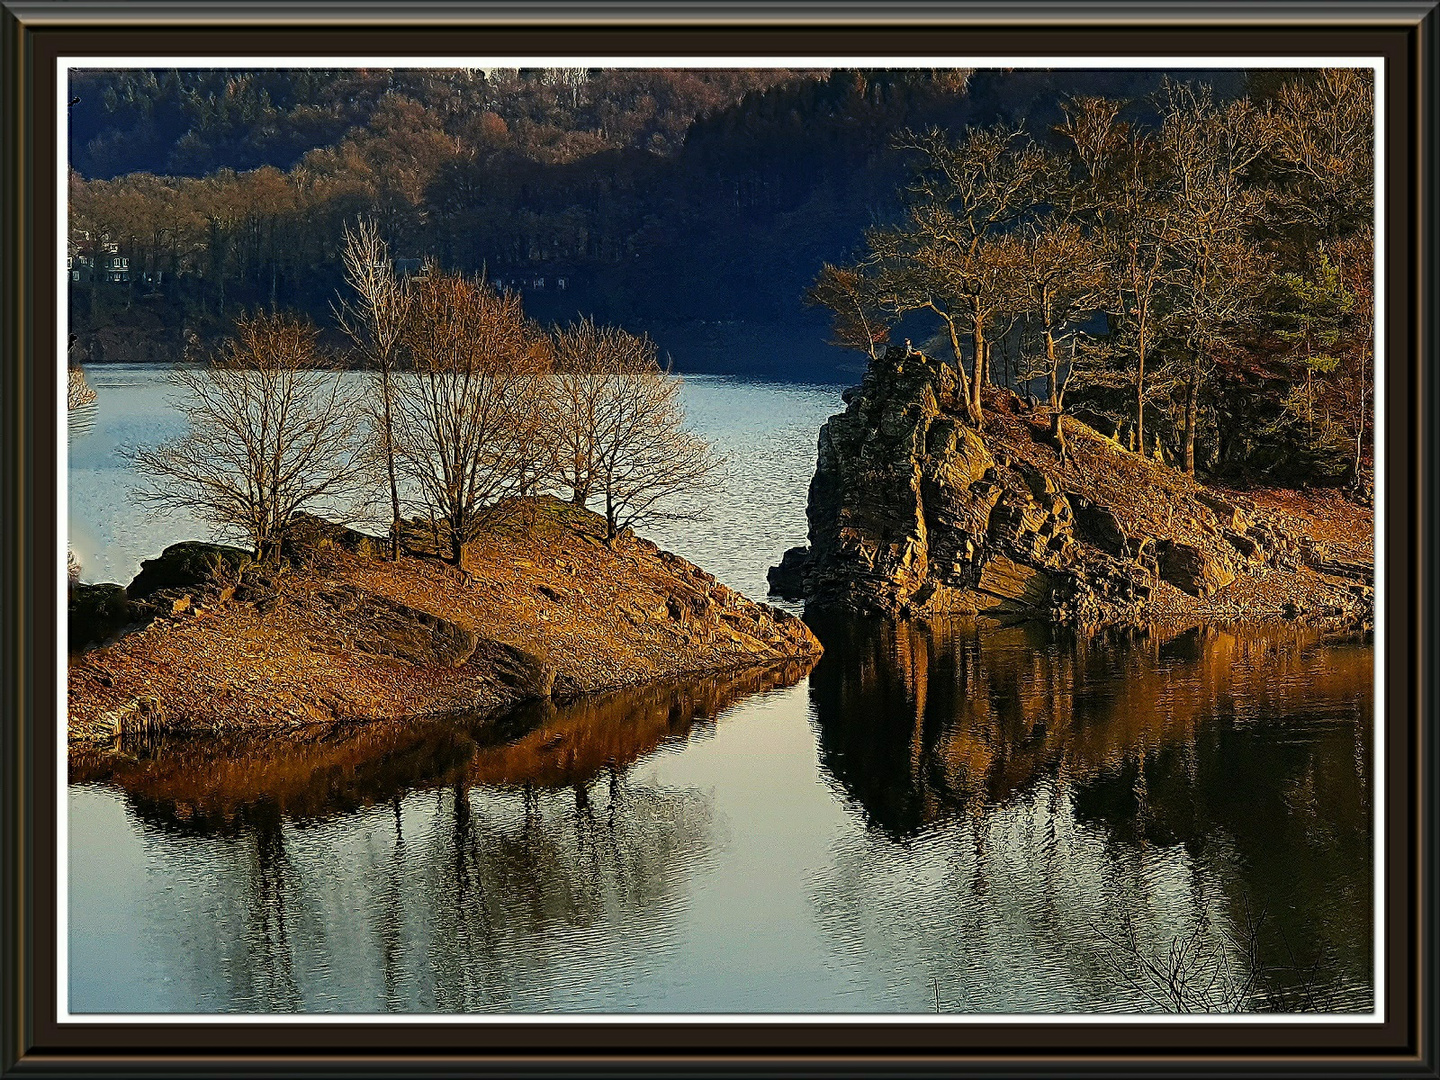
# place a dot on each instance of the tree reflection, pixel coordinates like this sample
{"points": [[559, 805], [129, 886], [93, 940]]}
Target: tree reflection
{"points": [[920, 723], [218, 785], [442, 865], [1237, 761]]}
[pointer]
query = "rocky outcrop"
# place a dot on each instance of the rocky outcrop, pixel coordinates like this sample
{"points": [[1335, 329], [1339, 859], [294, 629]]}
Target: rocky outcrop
{"points": [[915, 512], [912, 513]]}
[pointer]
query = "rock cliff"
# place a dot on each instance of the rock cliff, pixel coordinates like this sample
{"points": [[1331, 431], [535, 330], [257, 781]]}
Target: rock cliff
{"points": [[914, 512]]}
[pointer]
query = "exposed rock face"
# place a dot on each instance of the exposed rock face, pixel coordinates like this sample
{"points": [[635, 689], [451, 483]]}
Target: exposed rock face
{"points": [[911, 514], [915, 512]]}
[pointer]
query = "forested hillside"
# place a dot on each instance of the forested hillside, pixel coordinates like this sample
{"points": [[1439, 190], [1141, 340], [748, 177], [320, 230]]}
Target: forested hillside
{"points": [[693, 204]]}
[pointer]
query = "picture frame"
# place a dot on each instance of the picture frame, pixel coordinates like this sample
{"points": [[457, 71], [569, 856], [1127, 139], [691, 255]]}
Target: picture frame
{"points": [[37, 33]]}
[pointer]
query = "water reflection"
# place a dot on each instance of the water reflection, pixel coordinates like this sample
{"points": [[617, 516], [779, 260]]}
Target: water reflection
{"points": [[81, 420], [1016, 809], [1199, 781], [225, 783], [429, 865]]}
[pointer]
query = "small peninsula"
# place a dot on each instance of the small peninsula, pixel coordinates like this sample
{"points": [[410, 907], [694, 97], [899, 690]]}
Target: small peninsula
{"points": [[915, 512], [206, 640]]}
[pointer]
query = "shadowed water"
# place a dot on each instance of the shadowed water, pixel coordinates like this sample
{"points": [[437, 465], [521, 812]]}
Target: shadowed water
{"points": [[976, 819]]}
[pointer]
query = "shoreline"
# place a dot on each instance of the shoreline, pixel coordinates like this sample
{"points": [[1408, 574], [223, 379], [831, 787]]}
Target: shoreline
{"points": [[206, 641]]}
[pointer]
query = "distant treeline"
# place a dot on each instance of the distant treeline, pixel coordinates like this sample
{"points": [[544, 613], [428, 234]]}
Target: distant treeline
{"points": [[659, 195]]}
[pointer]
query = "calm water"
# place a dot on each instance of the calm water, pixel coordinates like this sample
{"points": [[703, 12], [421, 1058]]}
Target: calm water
{"points": [[954, 818]]}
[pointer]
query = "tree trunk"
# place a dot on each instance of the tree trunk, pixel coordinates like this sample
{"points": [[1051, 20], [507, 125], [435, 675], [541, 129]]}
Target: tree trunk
{"points": [[1360, 421], [394, 487], [1140, 396], [388, 437], [1192, 397], [977, 378], [1052, 372], [959, 360], [457, 544]]}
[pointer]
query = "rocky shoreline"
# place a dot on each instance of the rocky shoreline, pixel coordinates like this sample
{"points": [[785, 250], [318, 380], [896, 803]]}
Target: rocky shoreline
{"points": [[915, 513], [206, 641]]}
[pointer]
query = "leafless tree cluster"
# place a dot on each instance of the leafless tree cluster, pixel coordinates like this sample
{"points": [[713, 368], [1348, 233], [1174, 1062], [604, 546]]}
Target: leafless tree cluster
{"points": [[467, 403], [469, 416], [1146, 260], [473, 403]]}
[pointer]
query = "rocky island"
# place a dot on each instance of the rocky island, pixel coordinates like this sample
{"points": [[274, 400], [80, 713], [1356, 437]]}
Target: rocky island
{"points": [[207, 640], [914, 512]]}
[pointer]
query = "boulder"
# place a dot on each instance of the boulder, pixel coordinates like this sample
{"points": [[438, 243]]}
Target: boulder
{"points": [[96, 614], [530, 677], [375, 624], [1100, 526], [1193, 569], [1244, 545], [1231, 516], [788, 578], [188, 564], [309, 535]]}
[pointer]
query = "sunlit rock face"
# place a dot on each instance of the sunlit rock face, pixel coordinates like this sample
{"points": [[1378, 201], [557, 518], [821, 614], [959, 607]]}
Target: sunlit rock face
{"points": [[916, 511], [913, 511]]}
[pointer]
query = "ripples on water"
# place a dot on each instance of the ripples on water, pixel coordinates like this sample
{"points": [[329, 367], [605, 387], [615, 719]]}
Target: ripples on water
{"points": [[949, 812]]}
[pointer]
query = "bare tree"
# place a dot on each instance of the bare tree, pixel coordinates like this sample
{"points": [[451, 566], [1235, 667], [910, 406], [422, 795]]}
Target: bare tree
{"points": [[1057, 283], [860, 321], [644, 456], [1321, 143], [467, 415], [374, 321], [271, 433], [1217, 266], [587, 358]]}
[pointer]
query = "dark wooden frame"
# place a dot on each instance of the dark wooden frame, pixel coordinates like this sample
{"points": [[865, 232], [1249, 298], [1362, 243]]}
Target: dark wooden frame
{"points": [[34, 33]]}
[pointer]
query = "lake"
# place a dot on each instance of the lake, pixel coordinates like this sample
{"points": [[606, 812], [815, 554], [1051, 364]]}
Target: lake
{"points": [[951, 819]]}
